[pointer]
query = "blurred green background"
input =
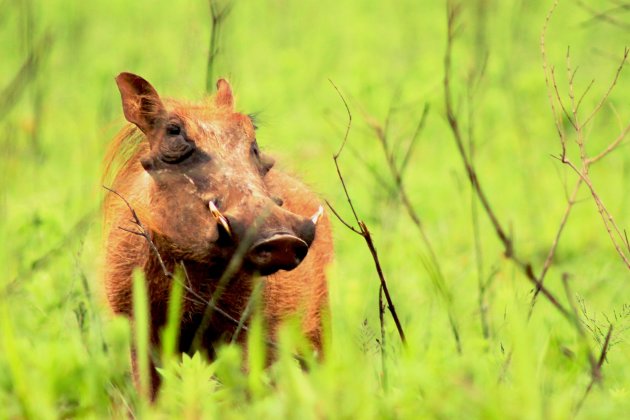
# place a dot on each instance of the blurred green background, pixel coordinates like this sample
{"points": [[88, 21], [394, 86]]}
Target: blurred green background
{"points": [[62, 353]]}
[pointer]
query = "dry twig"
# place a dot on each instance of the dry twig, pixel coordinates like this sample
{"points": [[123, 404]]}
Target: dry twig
{"points": [[218, 16], [432, 265], [362, 228], [12, 92], [600, 362], [618, 239], [453, 122]]}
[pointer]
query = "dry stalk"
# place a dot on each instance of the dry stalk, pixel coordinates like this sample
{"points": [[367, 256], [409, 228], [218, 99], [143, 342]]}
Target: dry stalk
{"points": [[432, 265], [618, 238], [607, 16], [362, 228], [600, 362], [595, 369], [218, 17], [454, 125], [475, 77], [381, 318], [13, 91]]}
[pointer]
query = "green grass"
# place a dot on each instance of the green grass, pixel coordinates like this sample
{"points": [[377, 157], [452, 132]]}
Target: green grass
{"points": [[62, 352]]}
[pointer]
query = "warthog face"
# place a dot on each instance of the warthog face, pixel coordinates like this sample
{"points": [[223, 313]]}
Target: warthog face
{"points": [[206, 179]]}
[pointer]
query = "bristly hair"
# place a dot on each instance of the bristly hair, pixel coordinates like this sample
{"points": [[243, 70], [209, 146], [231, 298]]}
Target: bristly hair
{"points": [[126, 145], [121, 160], [253, 117]]}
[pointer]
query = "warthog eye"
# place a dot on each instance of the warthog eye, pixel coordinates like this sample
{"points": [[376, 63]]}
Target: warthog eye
{"points": [[173, 129], [175, 148]]}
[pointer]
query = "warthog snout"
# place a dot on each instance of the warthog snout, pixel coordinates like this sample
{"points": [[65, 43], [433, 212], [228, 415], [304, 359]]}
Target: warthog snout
{"points": [[279, 252], [281, 242]]}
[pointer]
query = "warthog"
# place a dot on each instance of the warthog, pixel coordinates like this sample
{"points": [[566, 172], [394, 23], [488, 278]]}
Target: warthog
{"points": [[192, 191]]}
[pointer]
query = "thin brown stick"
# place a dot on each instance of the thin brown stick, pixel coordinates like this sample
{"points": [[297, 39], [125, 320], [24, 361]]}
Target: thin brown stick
{"points": [[588, 88], [610, 87], [381, 318], [346, 224], [402, 191], [606, 16], [13, 91], [546, 72], [600, 362], [505, 239], [474, 81], [611, 227], [609, 222], [552, 250], [218, 17], [363, 229], [578, 326], [612, 146], [141, 232], [433, 264], [413, 141], [248, 309]]}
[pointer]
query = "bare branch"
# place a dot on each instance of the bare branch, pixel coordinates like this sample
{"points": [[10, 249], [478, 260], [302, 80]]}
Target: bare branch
{"points": [[218, 17], [578, 326], [381, 318], [346, 224], [588, 88], [612, 146], [142, 232], [363, 230], [610, 87], [548, 83], [433, 265], [606, 16], [552, 251], [609, 223], [11, 93], [600, 362], [525, 267], [414, 138]]}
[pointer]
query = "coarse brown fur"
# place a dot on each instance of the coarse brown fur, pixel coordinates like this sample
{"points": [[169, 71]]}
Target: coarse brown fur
{"points": [[171, 201]]}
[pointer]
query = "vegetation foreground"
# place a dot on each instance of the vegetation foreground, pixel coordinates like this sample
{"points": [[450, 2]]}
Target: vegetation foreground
{"points": [[488, 168]]}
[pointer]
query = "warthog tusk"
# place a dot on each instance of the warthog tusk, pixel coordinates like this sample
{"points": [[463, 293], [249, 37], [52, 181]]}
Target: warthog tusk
{"points": [[315, 218], [220, 218]]}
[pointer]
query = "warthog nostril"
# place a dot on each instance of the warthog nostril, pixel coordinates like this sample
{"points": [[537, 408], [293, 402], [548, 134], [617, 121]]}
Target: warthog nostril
{"points": [[280, 252]]}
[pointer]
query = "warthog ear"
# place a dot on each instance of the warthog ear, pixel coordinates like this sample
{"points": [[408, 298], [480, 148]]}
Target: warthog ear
{"points": [[224, 97], [141, 103]]}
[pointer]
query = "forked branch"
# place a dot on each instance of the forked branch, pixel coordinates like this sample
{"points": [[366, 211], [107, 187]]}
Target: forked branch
{"points": [[362, 228], [582, 168], [432, 265], [454, 125]]}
